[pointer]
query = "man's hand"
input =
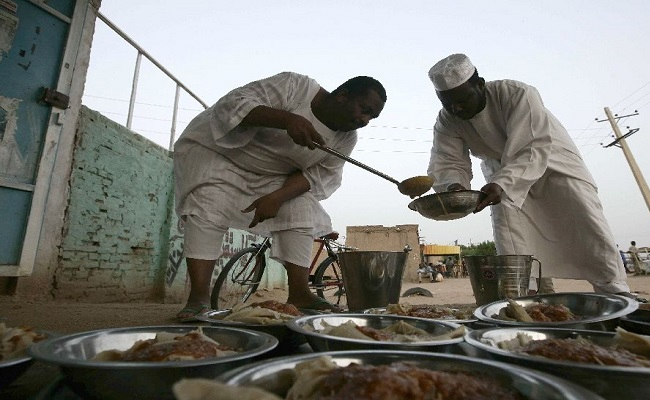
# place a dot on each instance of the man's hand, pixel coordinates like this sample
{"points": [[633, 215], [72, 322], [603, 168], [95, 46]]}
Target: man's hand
{"points": [[299, 129], [302, 132], [492, 196], [266, 207]]}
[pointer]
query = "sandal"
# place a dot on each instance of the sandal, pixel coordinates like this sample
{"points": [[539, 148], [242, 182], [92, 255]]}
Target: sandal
{"points": [[188, 314], [320, 304]]}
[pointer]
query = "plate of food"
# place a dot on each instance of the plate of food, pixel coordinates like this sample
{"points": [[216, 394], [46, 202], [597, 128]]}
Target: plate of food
{"points": [[268, 316], [637, 321], [374, 331], [615, 365], [143, 362], [14, 342], [590, 311], [463, 314], [385, 374]]}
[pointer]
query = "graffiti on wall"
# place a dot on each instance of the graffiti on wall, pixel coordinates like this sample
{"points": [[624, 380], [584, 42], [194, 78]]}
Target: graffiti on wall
{"points": [[175, 258]]}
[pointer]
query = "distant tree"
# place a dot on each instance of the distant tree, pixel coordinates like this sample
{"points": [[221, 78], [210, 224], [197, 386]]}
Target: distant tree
{"points": [[487, 248]]}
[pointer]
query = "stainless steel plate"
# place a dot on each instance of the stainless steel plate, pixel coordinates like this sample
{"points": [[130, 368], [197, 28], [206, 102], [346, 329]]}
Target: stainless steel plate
{"points": [[110, 380], [12, 368], [637, 322], [287, 338], [384, 311], [532, 385], [610, 382], [597, 311], [447, 206], [309, 325]]}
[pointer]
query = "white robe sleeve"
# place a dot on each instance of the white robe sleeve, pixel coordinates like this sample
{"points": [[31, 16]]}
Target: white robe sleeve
{"points": [[450, 161], [280, 91], [528, 145], [326, 177]]}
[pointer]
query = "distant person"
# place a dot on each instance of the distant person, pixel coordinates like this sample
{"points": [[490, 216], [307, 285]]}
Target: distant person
{"points": [[634, 254], [449, 264], [249, 162], [441, 268], [543, 199], [426, 271]]}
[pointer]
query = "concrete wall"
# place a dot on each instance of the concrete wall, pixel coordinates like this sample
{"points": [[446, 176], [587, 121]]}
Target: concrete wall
{"points": [[394, 238]]}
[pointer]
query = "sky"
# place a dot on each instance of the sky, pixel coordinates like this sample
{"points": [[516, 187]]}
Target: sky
{"points": [[581, 55]]}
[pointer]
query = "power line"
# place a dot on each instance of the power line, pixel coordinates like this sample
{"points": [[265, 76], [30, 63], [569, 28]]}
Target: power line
{"points": [[631, 94]]}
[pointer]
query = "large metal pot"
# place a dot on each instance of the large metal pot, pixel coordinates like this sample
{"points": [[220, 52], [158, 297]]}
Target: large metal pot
{"points": [[446, 206], [499, 277]]}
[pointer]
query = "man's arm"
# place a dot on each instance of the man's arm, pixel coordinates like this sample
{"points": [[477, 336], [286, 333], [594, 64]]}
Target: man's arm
{"points": [[267, 206], [301, 131]]}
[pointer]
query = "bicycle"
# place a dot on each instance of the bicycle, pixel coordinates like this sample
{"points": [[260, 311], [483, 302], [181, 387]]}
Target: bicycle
{"points": [[241, 275]]}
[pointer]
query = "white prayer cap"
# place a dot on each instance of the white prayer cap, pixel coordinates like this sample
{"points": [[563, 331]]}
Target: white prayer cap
{"points": [[451, 72]]}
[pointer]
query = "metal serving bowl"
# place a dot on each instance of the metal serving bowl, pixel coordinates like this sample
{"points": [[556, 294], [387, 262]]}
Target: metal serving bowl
{"points": [[597, 311], [108, 380], [309, 325], [637, 322], [446, 206], [288, 339], [463, 321], [12, 368], [608, 381], [531, 385]]}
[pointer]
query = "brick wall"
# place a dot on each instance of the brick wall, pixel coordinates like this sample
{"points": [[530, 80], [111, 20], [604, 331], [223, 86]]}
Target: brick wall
{"points": [[120, 241], [118, 219]]}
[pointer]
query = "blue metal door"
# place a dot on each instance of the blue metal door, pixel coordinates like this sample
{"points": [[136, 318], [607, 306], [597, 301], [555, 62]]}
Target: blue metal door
{"points": [[33, 35]]}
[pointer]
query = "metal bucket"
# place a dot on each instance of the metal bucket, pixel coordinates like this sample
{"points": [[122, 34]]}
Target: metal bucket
{"points": [[372, 278], [496, 278]]}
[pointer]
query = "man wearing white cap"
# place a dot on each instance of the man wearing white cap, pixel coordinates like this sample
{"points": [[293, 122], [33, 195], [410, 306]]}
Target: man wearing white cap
{"points": [[543, 199]]}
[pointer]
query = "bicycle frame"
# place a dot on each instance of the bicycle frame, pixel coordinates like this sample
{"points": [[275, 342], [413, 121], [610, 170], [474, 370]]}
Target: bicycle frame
{"points": [[260, 263], [242, 274]]}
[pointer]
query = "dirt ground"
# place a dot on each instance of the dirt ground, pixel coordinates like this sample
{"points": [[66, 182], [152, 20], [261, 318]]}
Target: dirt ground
{"points": [[78, 317]]}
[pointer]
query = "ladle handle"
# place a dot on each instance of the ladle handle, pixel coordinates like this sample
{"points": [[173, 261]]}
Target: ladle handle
{"points": [[357, 163]]}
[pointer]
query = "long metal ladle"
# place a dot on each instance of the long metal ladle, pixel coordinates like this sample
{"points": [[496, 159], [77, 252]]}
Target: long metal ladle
{"points": [[415, 186]]}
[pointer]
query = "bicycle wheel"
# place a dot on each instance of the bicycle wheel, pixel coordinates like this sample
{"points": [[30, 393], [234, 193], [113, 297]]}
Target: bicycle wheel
{"points": [[328, 282], [238, 279]]}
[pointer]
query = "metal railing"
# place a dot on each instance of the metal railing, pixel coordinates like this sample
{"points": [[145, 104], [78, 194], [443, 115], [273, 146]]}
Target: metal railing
{"points": [[136, 75]]}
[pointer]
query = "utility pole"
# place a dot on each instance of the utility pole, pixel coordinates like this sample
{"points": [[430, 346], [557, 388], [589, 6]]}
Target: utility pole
{"points": [[620, 141]]}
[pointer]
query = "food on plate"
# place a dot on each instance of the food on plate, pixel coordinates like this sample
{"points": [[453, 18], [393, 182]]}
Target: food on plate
{"points": [[167, 346], [627, 349], [207, 389], [426, 311], [400, 331], [322, 379], [638, 344], [536, 312], [263, 313], [14, 340]]}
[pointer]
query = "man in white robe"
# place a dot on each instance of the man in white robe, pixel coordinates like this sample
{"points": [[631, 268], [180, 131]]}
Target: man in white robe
{"points": [[249, 162], [544, 200]]}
